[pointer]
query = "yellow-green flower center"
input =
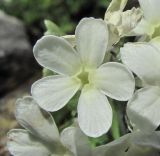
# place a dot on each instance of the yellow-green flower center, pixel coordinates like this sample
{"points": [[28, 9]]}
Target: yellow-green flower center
{"points": [[83, 76]]}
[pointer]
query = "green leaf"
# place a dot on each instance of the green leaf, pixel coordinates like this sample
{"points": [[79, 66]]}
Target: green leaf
{"points": [[47, 72], [52, 28]]}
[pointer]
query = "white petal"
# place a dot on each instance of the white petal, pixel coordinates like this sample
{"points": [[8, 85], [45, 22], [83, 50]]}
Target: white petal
{"points": [[144, 60], [129, 21], [38, 122], [143, 151], [144, 144], [53, 92], [144, 28], [92, 38], [143, 108], [151, 10], [115, 148], [115, 80], [156, 42], [94, 112], [132, 144], [76, 141], [21, 143], [151, 140], [56, 54]]}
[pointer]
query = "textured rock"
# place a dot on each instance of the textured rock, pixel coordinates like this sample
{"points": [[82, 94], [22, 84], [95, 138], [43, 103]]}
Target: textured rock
{"points": [[16, 58]]}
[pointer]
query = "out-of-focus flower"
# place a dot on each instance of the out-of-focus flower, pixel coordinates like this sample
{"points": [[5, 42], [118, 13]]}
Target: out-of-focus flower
{"points": [[144, 60], [41, 137], [133, 144], [81, 69]]}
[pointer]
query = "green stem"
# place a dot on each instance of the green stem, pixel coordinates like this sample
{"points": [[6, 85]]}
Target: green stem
{"points": [[115, 129]]}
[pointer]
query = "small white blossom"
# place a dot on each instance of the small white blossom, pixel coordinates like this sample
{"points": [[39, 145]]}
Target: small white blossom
{"points": [[144, 60], [41, 137], [81, 69], [133, 144]]}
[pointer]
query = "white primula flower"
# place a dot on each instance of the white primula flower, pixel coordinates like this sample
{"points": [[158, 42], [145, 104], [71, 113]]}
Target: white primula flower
{"points": [[81, 69], [144, 60], [133, 144], [41, 137], [150, 24]]}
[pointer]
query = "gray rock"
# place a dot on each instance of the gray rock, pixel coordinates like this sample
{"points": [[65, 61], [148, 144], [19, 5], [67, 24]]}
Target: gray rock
{"points": [[16, 58]]}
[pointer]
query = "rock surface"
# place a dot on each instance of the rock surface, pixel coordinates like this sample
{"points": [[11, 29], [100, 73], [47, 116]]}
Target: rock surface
{"points": [[16, 59]]}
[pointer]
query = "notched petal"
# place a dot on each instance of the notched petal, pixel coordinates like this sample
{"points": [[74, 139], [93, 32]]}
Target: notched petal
{"points": [[114, 80], [54, 92], [56, 54], [92, 39]]}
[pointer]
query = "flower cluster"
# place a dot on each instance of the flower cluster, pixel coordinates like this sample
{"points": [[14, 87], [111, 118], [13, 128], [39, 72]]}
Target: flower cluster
{"points": [[98, 64]]}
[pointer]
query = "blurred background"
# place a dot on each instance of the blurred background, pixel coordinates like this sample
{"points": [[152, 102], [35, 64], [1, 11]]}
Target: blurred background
{"points": [[21, 24]]}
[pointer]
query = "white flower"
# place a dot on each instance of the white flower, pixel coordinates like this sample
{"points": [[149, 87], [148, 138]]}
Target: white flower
{"points": [[144, 60], [82, 69], [150, 24], [133, 144], [41, 137]]}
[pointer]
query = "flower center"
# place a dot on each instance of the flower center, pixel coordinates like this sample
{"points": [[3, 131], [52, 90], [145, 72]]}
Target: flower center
{"points": [[83, 76]]}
